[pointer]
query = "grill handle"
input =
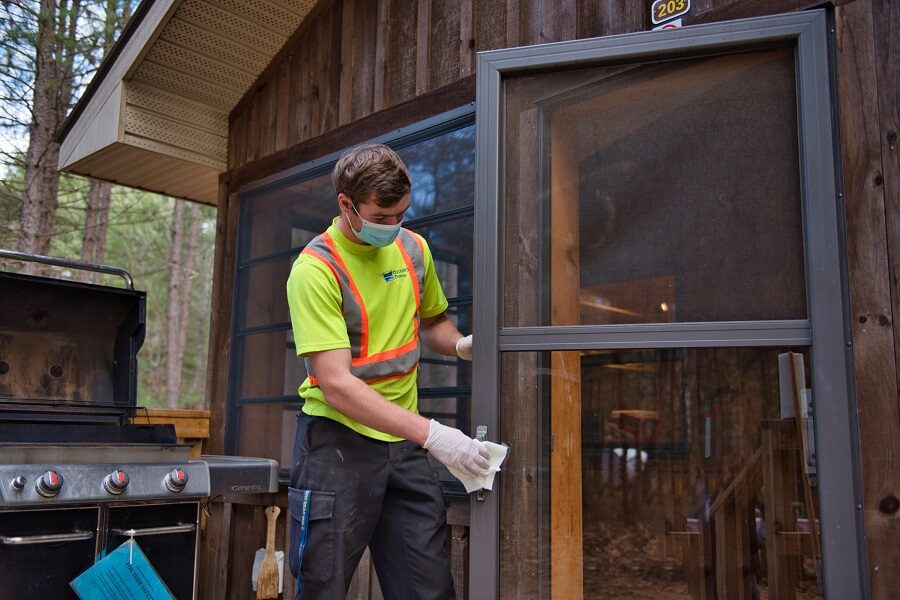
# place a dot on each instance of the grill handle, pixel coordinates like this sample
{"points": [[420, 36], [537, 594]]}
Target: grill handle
{"points": [[75, 536], [180, 528], [71, 264]]}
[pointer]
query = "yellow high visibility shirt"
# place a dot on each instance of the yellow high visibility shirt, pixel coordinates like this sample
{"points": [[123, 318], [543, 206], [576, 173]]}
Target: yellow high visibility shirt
{"points": [[386, 289]]}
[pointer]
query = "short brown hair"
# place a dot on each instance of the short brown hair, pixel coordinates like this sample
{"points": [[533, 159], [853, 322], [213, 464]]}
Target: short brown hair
{"points": [[371, 168]]}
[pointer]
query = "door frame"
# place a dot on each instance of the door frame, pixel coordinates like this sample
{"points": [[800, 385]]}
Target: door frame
{"points": [[828, 325]]}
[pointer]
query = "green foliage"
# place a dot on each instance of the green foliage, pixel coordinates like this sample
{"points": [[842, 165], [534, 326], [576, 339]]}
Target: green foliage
{"points": [[138, 241], [138, 236]]}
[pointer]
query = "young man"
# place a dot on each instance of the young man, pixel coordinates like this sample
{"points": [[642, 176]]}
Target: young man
{"points": [[361, 296]]}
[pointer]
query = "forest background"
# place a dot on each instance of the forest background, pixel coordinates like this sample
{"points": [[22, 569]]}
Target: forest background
{"points": [[50, 51]]}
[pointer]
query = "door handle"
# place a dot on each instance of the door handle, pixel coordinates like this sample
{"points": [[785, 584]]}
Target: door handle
{"points": [[180, 528], [75, 536]]}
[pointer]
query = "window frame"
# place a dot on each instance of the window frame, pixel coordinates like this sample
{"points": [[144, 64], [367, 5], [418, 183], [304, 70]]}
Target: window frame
{"points": [[826, 331], [399, 139]]}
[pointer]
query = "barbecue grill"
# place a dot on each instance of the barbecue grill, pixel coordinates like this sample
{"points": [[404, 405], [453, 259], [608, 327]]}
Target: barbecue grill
{"points": [[79, 474]]}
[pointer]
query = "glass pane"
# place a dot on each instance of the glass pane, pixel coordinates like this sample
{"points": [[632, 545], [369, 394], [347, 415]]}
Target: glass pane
{"points": [[439, 371], [442, 170], [654, 193], [287, 217], [261, 286], [451, 246], [451, 410], [664, 474], [270, 365], [267, 431]]}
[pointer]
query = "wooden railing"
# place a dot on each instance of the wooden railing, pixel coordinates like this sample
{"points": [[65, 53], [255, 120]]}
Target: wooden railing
{"points": [[723, 554], [191, 426]]}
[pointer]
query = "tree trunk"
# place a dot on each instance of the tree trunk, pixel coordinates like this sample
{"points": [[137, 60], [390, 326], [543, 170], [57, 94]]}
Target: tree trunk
{"points": [[173, 358], [96, 218], [96, 221], [187, 282], [41, 180], [54, 60]]}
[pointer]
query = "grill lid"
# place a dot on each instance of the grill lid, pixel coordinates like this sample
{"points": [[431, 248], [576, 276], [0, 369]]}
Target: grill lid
{"points": [[68, 349]]}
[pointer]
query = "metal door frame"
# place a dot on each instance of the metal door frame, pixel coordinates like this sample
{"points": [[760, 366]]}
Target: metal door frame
{"points": [[828, 325]]}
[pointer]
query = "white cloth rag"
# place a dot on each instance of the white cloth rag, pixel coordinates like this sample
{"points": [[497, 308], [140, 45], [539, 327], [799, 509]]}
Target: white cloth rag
{"points": [[473, 483]]}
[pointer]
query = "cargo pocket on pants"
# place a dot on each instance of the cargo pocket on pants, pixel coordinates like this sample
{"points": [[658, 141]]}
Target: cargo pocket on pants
{"points": [[312, 535]]}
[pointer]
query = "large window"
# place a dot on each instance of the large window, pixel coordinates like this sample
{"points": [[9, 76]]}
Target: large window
{"points": [[277, 219]]}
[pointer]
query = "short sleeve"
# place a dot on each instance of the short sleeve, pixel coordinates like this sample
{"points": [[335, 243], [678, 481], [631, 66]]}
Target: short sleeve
{"points": [[433, 300], [314, 299]]}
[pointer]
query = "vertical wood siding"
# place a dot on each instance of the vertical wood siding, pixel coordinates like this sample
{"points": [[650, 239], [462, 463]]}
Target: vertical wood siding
{"points": [[353, 58]]}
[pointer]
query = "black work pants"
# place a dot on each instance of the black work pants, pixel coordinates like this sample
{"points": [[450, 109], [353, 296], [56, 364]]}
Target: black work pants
{"points": [[358, 492]]}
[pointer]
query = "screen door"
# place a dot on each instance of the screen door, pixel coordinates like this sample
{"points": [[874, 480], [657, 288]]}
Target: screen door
{"points": [[659, 324]]}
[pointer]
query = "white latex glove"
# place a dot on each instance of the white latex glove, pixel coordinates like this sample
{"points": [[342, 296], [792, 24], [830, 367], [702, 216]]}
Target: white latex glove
{"points": [[464, 348], [455, 449]]}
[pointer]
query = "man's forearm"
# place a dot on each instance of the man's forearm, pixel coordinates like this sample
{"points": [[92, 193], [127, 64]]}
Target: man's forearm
{"points": [[355, 399], [440, 334]]}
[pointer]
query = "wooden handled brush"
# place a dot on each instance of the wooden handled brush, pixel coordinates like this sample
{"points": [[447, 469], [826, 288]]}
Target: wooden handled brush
{"points": [[267, 580]]}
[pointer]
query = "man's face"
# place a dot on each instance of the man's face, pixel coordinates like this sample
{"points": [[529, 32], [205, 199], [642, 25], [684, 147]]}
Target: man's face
{"points": [[370, 211]]}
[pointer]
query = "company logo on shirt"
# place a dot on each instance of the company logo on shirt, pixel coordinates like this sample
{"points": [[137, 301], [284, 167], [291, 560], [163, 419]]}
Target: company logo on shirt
{"points": [[390, 276]]}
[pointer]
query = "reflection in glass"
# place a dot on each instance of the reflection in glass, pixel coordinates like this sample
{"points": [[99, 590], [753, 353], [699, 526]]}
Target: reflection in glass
{"points": [[270, 365], [664, 474], [262, 303], [451, 244], [287, 217], [442, 170], [654, 193]]}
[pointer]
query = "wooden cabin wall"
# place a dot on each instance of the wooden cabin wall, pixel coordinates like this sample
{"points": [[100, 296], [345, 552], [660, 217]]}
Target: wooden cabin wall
{"points": [[355, 69]]}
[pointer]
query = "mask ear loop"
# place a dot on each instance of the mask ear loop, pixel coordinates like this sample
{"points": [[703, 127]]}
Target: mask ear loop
{"points": [[362, 222]]}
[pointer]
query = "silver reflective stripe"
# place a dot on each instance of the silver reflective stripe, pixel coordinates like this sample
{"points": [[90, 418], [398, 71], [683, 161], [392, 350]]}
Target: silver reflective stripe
{"points": [[386, 368], [350, 307], [415, 254], [383, 368]]}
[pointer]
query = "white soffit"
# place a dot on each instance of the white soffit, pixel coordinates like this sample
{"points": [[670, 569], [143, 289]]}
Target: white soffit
{"points": [[158, 119]]}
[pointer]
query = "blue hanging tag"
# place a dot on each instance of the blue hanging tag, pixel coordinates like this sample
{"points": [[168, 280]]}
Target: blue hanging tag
{"points": [[123, 574]]}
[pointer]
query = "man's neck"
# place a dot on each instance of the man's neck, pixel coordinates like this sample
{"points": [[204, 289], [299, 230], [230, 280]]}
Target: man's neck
{"points": [[344, 226]]}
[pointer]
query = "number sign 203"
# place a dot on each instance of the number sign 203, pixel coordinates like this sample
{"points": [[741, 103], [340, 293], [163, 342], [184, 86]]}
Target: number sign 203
{"points": [[663, 10]]}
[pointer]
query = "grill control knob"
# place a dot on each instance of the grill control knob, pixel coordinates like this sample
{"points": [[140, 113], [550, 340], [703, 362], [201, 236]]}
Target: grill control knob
{"points": [[176, 480], [116, 482], [18, 484], [49, 484]]}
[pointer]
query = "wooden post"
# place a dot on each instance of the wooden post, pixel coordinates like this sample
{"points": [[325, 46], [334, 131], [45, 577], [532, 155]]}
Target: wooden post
{"points": [[566, 551], [521, 532], [779, 465], [733, 516], [797, 393]]}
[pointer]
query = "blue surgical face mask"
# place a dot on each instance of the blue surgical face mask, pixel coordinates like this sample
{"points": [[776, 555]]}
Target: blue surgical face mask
{"points": [[375, 233]]}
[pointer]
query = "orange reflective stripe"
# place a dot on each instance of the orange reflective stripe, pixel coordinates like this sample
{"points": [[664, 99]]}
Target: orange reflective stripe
{"points": [[387, 354], [364, 334]]}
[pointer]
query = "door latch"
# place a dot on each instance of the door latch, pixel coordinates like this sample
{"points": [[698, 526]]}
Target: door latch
{"points": [[481, 436]]}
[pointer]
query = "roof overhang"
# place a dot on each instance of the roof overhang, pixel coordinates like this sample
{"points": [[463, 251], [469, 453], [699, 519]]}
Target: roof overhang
{"points": [[155, 116]]}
